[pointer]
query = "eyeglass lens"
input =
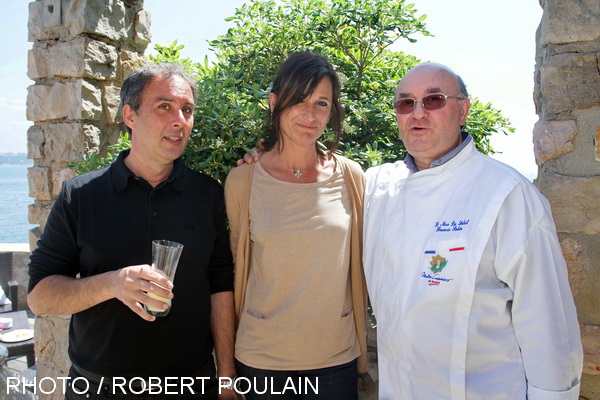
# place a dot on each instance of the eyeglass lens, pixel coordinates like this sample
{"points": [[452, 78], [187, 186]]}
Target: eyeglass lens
{"points": [[430, 102]]}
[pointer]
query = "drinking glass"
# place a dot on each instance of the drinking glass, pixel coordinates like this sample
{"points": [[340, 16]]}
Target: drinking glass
{"points": [[165, 257]]}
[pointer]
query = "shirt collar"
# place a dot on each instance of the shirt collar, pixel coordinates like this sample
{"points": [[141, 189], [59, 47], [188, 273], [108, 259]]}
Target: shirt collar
{"points": [[121, 173], [466, 139]]}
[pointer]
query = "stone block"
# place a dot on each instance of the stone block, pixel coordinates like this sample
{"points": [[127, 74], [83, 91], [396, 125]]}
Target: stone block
{"points": [[38, 214], [90, 107], [37, 63], [39, 184], [552, 139], [76, 99], [111, 103], [574, 200], [37, 29], [582, 161], [566, 80], [570, 21], [34, 236], [34, 21], [51, 342], [578, 262], [68, 141], [48, 102], [35, 142], [37, 97], [51, 13], [108, 18], [582, 252], [21, 275], [100, 60], [142, 35], [81, 57], [58, 177], [590, 337], [129, 62], [597, 145]]}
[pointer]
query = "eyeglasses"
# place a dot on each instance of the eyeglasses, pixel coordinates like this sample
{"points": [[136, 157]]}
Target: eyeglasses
{"points": [[435, 101]]}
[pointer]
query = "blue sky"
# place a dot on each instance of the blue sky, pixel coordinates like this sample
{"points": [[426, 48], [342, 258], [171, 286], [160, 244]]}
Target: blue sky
{"points": [[490, 43]]}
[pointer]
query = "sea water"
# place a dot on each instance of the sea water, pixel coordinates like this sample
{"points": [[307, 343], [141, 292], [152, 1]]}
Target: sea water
{"points": [[14, 201]]}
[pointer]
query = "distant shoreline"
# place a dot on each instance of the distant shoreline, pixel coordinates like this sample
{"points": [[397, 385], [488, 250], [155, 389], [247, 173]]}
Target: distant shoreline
{"points": [[16, 159]]}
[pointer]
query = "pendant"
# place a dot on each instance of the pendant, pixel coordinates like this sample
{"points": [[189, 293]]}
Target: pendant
{"points": [[297, 173]]}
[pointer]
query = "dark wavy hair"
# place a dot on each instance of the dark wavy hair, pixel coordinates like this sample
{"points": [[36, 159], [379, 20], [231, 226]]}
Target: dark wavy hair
{"points": [[295, 80]]}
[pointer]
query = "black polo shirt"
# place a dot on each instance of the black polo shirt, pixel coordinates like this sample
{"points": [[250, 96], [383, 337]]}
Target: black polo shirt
{"points": [[106, 220]]}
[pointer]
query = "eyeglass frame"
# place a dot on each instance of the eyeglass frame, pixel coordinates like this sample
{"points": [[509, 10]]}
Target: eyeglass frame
{"points": [[446, 97]]}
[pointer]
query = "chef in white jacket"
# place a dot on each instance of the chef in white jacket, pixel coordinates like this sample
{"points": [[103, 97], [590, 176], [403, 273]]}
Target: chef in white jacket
{"points": [[463, 266]]}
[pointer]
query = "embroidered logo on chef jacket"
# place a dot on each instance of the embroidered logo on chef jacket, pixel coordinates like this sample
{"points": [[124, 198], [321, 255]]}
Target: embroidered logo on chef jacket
{"points": [[437, 264]]}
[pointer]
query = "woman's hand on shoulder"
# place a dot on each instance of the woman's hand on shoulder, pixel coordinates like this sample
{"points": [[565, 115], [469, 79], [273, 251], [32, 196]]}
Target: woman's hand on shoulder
{"points": [[250, 158]]}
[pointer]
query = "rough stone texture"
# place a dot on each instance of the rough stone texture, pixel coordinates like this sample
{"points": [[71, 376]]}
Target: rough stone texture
{"points": [[58, 177], [581, 252], [581, 162], [577, 261], [39, 186], [35, 142], [38, 29], [106, 18], [111, 103], [142, 28], [566, 80], [567, 99], [590, 336], [552, 139], [38, 214], [66, 141], [574, 201], [570, 21], [81, 57], [129, 62], [21, 275], [52, 359], [597, 145], [76, 99]]}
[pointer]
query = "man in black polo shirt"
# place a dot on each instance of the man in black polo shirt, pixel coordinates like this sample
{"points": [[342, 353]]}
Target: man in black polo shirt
{"points": [[101, 228]]}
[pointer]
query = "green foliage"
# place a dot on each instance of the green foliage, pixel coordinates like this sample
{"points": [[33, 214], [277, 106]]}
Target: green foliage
{"points": [[172, 54], [482, 122], [355, 35], [92, 162]]}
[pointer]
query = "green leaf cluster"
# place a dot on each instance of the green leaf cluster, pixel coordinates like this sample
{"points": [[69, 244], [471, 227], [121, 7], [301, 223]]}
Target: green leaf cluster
{"points": [[357, 38], [355, 35], [93, 161]]}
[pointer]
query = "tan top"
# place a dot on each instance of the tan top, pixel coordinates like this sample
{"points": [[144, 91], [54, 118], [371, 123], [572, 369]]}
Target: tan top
{"points": [[237, 190], [298, 286]]}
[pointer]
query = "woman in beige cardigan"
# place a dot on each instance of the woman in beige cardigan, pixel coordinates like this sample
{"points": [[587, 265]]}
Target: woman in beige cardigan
{"points": [[296, 224]]}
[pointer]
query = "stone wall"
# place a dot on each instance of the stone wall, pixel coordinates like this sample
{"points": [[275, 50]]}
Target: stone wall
{"points": [[82, 50], [567, 148]]}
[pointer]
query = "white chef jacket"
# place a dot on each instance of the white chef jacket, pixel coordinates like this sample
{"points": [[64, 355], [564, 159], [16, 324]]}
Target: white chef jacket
{"points": [[468, 284]]}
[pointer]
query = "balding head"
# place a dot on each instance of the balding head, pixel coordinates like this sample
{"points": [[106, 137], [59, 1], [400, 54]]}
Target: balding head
{"points": [[440, 69], [429, 134]]}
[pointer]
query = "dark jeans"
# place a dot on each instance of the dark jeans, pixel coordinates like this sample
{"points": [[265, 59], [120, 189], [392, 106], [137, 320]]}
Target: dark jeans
{"points": [[81, 387], [333, 383]]}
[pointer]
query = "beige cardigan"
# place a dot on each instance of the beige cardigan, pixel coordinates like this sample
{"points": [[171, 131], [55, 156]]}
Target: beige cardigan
{"points": [[237, 197]]}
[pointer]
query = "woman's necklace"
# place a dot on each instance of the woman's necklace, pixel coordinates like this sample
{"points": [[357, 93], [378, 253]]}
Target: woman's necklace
{"points": [[297, 172]]}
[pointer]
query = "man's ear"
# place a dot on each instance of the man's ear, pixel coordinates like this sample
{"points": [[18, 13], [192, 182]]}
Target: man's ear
{"points": [[272, 101], [128, 116], [465, 105]]}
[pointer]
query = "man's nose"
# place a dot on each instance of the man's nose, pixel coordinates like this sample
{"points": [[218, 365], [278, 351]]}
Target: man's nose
{"points": [[419, 111]]}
